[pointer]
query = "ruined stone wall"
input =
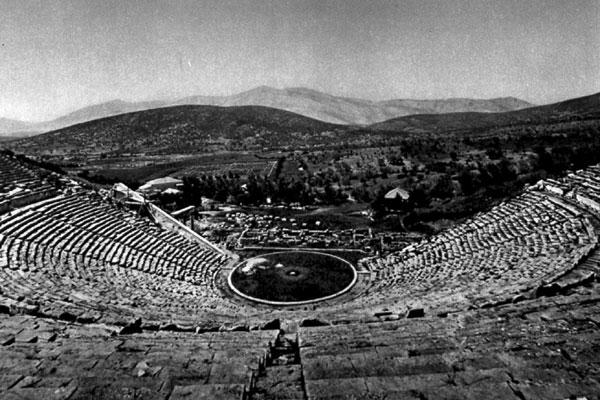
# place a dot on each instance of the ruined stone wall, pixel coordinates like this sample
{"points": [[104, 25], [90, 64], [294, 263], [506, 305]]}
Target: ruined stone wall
{"points": [[170, 223]]}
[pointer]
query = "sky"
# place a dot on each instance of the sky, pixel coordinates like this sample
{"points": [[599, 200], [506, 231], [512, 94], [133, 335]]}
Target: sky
{"points": [[59, 56]]}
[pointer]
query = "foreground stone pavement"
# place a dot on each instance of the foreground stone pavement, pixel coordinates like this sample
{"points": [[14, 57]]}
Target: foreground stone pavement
{"points": [[45, 359], [100, 302], [546, 348]]}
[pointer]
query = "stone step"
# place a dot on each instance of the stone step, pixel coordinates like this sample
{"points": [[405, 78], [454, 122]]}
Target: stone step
{"points": [[280, 382], [433, 386], [208, 392], [367, 364]]}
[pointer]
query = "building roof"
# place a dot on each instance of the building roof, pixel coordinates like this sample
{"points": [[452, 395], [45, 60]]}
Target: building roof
{"points": [[397, 192], [161, 182], [125, 191]]}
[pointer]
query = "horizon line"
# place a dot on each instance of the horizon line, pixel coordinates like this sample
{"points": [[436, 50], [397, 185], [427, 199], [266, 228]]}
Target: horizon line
{"points": [[167, 99]]}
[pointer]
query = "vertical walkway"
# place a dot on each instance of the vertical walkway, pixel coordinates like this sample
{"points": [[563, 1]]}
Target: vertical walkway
{"points": [[282, 377]]}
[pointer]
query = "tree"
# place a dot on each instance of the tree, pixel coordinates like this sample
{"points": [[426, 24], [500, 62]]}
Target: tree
{"points": [[468, 182], [378, 204], [420, 196], [508, 171], [444, 187]]}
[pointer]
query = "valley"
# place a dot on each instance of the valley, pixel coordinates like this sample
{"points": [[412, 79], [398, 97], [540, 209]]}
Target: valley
{"points": [[450, 165]]}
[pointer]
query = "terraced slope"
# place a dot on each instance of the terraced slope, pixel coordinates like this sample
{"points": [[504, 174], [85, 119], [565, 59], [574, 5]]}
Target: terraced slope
{"points": [[50, 249], [64, 256], [20, 185], [493, 257]]}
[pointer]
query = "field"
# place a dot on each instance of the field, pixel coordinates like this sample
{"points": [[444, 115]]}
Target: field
{"points": [[137, 169]]}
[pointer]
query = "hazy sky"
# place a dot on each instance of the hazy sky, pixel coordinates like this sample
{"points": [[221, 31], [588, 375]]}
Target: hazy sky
{"points": [[57, 56]]}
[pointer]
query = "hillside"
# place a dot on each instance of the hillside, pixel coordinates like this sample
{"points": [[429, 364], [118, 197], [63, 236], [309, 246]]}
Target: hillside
{"points": [[181, 129], [580, 108], [459, 105], [350, 111], [307, 102]]}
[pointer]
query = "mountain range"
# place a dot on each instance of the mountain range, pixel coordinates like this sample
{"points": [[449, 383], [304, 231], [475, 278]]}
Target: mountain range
{"points": [[586, 107], [351, 111], [310, 103], [198, 128]]}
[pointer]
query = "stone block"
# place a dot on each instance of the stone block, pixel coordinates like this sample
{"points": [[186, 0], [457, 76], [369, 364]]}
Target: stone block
{"points": [[6, 339], [208, 392], [325, 388], [26, 336]]}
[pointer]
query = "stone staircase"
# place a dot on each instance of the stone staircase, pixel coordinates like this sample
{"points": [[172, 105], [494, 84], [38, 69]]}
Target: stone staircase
{"points": [[282, 377]]}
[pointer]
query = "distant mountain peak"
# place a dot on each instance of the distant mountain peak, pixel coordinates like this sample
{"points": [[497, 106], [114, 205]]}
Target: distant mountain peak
{"points": [[300, 89], [262, 89], [115, 102]]}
